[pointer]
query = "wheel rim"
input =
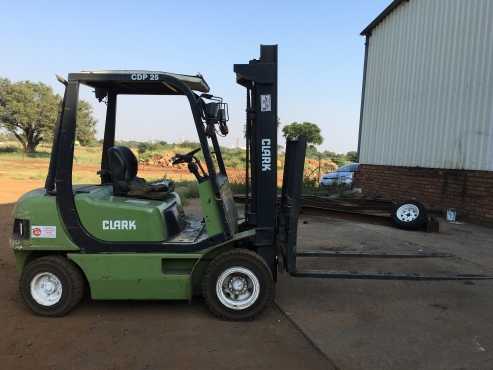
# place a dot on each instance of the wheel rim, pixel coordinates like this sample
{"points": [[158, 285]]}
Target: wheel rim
{"points": [[237, 288], [407, 213], [46, 289]]}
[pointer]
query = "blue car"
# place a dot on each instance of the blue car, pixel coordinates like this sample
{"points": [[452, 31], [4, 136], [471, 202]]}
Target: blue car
{"points": [[343, 175]]}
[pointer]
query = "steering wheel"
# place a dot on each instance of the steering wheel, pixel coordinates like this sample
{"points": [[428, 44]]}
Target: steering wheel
{"points": [[184, 158]]}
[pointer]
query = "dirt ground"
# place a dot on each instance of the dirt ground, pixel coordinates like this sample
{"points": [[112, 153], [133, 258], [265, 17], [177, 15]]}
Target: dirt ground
{"points": [[388, 325], [141, 335], [316, 324]]}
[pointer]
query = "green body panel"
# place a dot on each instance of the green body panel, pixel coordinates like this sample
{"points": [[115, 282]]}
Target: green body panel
{"points": [[210, 209], [20, 259], [137, 275], [41, 210], [123, 275], [148, 275], [99, 211], [95, 204]]}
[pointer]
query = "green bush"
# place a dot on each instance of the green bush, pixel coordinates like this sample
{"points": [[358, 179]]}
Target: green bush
{"points": [[10, 149], [310, 185], [237, 187]]}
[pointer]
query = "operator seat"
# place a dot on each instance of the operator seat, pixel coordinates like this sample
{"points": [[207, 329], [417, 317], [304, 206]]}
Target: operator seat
{"points": [[123, 168]]}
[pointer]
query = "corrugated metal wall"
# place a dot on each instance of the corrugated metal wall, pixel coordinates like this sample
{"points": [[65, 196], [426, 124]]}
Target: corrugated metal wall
{"points": [[429, 87]]}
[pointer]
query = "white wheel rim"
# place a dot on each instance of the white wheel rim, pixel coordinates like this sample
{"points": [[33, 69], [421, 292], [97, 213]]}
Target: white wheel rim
{"points": [[237, 288], [46, 289], [407, 213]]}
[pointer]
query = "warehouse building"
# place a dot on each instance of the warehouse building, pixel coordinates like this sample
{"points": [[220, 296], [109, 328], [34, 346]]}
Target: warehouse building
{"points": [[426, 125]]}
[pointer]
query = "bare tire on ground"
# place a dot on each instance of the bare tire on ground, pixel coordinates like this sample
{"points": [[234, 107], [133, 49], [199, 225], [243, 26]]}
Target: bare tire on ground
{"points": [[238, 285], [51, 286], [410, 215]]}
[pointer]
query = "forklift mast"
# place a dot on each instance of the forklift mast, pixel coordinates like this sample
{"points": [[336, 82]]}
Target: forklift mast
{"points": [[276, 223], [259, 77]]}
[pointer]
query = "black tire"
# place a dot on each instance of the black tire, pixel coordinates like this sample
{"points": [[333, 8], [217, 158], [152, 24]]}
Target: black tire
{"points": [[409, 220], [241, 258], [70, 277]]}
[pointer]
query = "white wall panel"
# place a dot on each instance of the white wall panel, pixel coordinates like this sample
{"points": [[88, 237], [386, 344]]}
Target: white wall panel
{"points": [[429, 86]]}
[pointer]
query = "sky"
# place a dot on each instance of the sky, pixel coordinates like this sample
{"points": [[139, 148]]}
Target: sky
{"points": [[320, 56]]}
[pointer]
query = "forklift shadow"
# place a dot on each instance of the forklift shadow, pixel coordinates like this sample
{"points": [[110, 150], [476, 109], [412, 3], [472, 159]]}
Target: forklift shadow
{"points": [[90, 307]]}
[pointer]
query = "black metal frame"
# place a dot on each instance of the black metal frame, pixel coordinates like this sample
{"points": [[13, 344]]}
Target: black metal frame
{"points": [[59, 180], [291, 200], [259, 77]]}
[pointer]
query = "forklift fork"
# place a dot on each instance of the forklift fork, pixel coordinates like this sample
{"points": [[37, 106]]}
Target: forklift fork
{"points": [[288, 225], [353, 275]]}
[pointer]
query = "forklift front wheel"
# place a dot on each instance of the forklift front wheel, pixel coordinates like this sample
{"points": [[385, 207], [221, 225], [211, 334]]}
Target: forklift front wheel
{"points": [[51, 286], [238, 285]]}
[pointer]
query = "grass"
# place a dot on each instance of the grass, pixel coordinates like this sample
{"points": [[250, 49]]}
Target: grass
{"points": [[34, 167], [237, 187], [16, 165], [187, 189], [9, 149], [13, 150], [88, 155]]}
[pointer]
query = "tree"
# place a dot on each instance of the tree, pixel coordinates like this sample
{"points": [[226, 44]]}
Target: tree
{"points": [[352, 156], [143, 147], [3, 83], [86, 124], [29, 111], [310, 130]]}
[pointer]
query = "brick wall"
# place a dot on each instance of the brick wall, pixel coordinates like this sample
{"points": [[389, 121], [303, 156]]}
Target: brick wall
{"points": [[469, 192]]}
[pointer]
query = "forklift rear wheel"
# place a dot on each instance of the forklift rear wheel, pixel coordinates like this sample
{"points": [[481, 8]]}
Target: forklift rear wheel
{"points": [[51, 286], [238, 285]]}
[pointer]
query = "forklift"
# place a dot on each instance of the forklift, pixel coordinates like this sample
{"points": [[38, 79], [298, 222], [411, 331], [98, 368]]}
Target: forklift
{"points": [[129, 239]]}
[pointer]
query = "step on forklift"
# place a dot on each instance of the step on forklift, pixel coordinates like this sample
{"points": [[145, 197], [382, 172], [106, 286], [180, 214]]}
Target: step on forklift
{"points": [[129, 239]]}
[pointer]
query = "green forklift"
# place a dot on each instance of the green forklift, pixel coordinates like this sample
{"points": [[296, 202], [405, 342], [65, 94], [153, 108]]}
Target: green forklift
{"points": [[127, 238]]}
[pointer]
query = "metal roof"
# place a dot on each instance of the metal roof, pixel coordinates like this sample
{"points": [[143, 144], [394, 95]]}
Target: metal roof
{"points": [[389, 9], [137, 81]]}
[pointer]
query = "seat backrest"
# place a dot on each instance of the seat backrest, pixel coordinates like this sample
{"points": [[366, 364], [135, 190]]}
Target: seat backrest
{"points": [[123, 167]]}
